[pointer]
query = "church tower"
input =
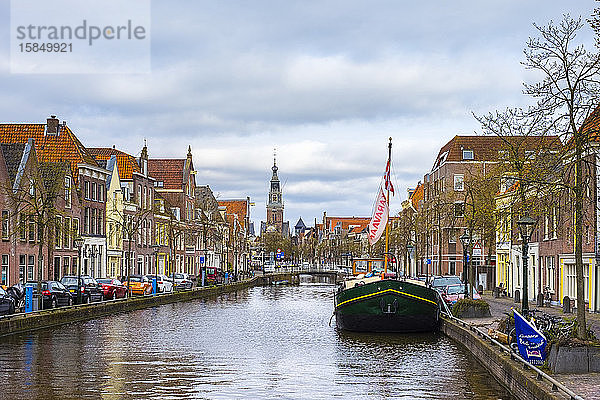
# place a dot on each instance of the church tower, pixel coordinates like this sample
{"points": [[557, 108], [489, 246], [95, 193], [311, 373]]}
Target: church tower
{"points": [[275, 203]]}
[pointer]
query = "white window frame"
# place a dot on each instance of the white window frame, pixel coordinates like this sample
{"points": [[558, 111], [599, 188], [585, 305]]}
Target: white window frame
{"points": [[459, 182]]}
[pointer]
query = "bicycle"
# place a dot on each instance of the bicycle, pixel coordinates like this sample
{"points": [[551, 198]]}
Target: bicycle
{"points": [[547, 296]]}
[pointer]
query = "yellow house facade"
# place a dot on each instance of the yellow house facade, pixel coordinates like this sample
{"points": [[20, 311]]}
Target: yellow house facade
{"points": [[114, 219]]}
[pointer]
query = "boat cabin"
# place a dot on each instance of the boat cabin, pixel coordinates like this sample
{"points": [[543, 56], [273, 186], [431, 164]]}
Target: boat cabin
{"points": [[366, 265]]}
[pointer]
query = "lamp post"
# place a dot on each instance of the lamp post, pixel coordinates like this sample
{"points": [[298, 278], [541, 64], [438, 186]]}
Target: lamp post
{"points": [[465, 240], [409, 249], [526, 225], [78, 241]]}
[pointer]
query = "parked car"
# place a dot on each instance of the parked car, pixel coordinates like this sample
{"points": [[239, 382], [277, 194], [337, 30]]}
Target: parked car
{"points": [[112, 288], [440, 283], [211, 276], [182, 281], [453, 293], [7, 303], [89, 287], [54, 294], [139, 284], [164, 283]]}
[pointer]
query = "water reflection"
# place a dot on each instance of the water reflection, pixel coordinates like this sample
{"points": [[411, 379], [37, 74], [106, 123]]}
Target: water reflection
{"points": [[266, 342]]}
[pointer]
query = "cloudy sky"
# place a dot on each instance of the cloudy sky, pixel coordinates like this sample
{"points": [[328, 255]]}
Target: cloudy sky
{"points": [[324, 82]]}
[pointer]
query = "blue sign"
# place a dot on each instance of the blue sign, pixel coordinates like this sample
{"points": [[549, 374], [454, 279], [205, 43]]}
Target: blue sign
{"points": [[28, 298], [428, 261], [531, 342], [154, 286], [201, 259]]}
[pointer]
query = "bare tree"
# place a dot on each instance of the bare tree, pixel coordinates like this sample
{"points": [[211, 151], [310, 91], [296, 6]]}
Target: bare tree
{"points": [[34, 202], [564, 98]]}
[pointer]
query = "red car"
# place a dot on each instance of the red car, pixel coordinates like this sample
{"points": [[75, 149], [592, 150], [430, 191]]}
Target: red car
{"points": [[112, 288], [453, 293]]}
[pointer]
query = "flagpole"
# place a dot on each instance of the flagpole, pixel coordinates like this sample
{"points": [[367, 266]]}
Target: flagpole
{"points": [[387, 226]]}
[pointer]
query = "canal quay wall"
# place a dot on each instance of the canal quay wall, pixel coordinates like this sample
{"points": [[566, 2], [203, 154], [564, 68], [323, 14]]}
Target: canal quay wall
{"points": [[19, 323], [522, 383]]}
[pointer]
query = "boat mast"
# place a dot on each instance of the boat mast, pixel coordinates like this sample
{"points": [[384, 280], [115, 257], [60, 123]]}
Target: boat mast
{"points": [[387, 226]]}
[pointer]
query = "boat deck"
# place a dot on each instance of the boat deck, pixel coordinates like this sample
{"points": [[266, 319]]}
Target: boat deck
{"points": [[361, 280]]}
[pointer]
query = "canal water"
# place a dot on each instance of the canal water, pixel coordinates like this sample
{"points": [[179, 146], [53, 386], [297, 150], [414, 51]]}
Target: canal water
{"points": [[260, 343]]}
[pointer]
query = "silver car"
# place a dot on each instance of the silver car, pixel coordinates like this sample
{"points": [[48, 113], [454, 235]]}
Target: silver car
{"points": [[182, 281]]}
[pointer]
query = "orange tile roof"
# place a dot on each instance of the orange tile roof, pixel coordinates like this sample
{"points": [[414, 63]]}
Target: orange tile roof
{"points": [[345, 222], [591, 126], [239, 207], [63, 146], [168, 171], [417, 196], [126, 163]]}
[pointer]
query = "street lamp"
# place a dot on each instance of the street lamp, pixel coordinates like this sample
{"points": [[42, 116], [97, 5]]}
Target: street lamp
{"points": [[78, 241], [409, 249], [465, 240], [526, 225]]}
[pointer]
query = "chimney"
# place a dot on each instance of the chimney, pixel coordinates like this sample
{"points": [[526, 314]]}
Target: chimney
{"points": [[144, 159], [52, 125]]}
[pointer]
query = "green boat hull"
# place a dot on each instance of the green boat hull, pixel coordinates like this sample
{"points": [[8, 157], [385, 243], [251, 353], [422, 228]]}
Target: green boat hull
{"points": [[387, 306]]}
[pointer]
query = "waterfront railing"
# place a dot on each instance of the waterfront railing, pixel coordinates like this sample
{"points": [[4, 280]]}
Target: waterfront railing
{"points": [[541, 375]]}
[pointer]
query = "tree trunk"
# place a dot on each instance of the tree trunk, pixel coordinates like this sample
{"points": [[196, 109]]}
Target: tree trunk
{"points": [[581, 324], [40, 265]]}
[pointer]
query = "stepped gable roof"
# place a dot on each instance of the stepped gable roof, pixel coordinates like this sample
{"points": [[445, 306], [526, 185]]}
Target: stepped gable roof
{"points": [[238, 207], [126, 163], [13, 153], [169, 171], [486, 148], [62, 146]]}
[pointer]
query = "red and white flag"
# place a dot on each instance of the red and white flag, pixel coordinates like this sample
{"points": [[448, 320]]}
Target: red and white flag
{"points": [[387, 180], [379, 219]]}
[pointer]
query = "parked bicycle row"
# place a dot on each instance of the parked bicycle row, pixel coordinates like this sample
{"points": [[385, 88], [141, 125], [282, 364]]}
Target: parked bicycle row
{"points": [[554, 328]]}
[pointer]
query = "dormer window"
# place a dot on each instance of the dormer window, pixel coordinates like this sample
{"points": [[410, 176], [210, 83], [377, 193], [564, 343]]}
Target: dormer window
{"points": [[467, 154]]}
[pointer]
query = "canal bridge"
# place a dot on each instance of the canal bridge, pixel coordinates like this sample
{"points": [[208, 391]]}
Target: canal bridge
{"points": [[296, 275]]}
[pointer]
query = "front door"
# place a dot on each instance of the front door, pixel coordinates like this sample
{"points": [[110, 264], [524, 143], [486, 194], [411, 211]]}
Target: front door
{"points": [[56, 268], [483, 280]]}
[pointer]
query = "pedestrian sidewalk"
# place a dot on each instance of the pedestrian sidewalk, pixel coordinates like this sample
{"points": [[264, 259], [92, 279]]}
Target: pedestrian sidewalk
{"points": [[501, 305], [585, 385]]}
